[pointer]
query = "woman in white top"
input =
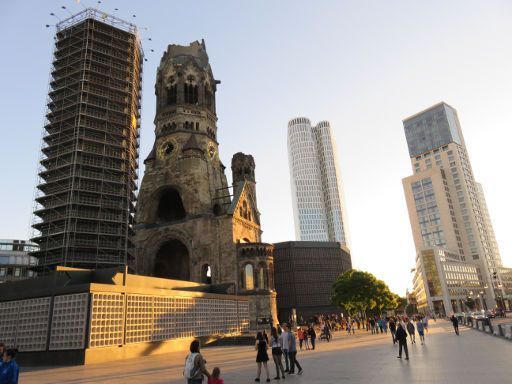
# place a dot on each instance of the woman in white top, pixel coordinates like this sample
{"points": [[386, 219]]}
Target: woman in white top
{"points": [[277, 352]]}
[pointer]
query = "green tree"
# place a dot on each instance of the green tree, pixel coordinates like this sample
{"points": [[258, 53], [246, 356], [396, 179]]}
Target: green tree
{"points": [[361, 292], [470, 303]]}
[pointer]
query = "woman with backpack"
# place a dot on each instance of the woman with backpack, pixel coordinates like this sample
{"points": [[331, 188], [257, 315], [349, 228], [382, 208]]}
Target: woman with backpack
{"points": [[195, 365], [262, 356]]}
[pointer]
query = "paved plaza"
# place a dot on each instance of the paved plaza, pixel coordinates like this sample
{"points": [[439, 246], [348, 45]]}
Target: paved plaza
{"points": [[473, 357]]}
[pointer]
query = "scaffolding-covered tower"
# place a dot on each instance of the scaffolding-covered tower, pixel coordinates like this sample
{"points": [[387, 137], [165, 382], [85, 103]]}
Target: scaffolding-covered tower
{"points": [[85, 197]]}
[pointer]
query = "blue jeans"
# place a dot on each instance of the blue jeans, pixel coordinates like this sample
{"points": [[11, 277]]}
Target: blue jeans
{"points": [[195, 381], [285, 352]]}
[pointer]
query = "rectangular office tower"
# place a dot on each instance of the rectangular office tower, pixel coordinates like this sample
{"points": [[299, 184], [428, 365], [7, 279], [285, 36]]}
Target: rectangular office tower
{"points": [[84, 206], [449, 216], [317, 193]]}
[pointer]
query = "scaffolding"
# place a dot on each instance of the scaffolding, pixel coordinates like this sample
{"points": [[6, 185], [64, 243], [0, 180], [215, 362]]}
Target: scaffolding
{"points": [[84, 203]]}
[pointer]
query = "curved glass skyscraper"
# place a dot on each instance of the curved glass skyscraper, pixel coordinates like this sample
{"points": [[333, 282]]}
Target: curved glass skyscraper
{"points": [[317, 194]]}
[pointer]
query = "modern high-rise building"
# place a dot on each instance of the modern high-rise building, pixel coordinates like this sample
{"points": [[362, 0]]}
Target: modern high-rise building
{"points": [[317, 194], [447, 209], [84, 204], [15, 261]]}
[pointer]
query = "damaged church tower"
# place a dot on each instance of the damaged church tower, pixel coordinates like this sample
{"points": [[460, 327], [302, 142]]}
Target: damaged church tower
{"points": [[188, 225]]}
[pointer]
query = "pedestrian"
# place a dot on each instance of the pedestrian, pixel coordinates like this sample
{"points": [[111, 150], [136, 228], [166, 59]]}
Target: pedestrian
{"points": [[455, 323], [421, 331], [262, 356], [195, 365], [385, 325], [392, 329], [312, 335], [300, 334], [265, 336], [381, 326], [2, 351], [215, 377], [401, 337], [411, 330], [293, 355], [285, 335], [327, 331], [306, 339], [277, 353], [425, 322], [372, 325], [9, 370]]}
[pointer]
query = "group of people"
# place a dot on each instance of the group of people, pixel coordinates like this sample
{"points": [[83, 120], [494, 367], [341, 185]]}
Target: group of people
{"points": [[307, 336], [9, 370], [401, 327], [282, 342]]}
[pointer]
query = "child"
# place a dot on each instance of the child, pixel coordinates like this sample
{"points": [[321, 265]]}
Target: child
{"points": [[215, 377]]}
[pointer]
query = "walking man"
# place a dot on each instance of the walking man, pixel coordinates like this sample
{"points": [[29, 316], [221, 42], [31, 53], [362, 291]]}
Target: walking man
{"points": [[392, 329], [285, 342], [421, 330], [292, 350], [412, 331], [455, 323], [401, 337], [312, 335]]}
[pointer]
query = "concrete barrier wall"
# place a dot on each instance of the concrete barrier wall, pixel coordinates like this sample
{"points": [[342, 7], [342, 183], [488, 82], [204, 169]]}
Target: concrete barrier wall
{"points": [[105, 319]]}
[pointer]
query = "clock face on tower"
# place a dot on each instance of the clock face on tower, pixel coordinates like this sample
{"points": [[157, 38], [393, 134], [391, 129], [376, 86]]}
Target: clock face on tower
{"points": [[212, 151], [167, 149]]}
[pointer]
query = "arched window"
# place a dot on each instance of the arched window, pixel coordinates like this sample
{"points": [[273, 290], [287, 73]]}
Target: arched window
{"points": [[249, 277], [262, 276], [170, 207], [190, 93], [172, 95], [244, 210], [271, 276]]}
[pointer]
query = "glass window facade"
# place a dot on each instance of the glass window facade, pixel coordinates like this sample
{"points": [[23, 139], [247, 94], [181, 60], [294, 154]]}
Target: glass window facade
{"points": [[318, 203], [431, 129]]}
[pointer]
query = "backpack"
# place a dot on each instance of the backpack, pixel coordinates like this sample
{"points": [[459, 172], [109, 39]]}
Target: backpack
{"points": [[190, 369]]}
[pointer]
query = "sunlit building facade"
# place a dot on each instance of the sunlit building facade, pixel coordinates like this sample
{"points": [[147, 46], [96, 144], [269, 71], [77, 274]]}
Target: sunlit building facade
{"points": [[446, 205], [317, 193], [443, 284]]}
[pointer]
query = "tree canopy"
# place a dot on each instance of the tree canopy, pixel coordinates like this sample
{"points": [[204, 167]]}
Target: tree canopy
{"points": [[359, 291]]}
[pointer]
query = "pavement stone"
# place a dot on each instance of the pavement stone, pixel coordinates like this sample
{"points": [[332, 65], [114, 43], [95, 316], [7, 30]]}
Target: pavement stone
{"points": [[472, 357]]}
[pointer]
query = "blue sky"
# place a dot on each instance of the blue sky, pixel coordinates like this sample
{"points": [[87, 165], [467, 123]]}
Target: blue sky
{"points": [[362, 65]]}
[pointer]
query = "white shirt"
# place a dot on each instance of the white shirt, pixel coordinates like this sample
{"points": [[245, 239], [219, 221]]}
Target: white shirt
{"points": [[285, 340]]}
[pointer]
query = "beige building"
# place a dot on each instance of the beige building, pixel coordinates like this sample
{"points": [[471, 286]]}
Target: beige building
{"points": [[446, 205], [442, 283]]}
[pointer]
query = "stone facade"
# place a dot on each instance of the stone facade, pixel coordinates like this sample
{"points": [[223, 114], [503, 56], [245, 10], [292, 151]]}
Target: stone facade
{"points": [[188, 223]]}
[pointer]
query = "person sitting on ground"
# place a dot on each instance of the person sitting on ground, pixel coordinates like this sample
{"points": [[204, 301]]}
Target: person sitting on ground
{"points": [[215, 377], [9, 371], [195, 365]]}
